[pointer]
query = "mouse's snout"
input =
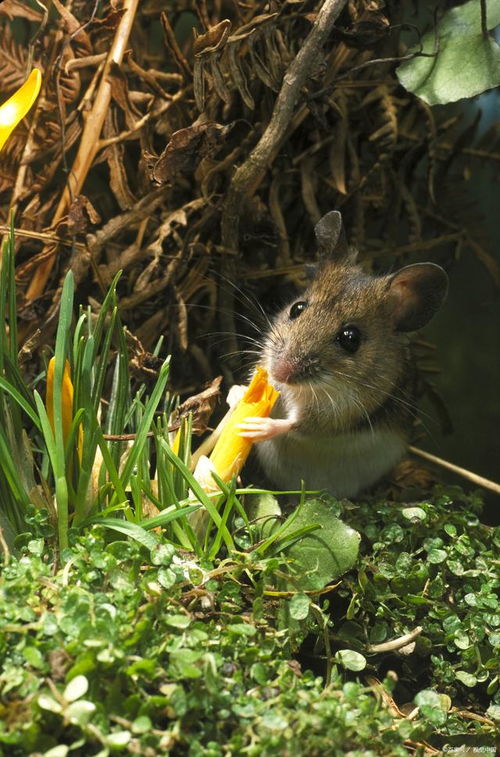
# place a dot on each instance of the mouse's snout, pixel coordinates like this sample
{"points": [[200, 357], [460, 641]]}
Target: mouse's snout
{"points": [[283, 370], [292, 370]]}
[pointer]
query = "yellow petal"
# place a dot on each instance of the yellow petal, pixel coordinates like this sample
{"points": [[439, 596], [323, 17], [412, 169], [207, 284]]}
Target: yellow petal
{"points": [[66, 398], [232, 450], [176, 444], [16, 107]]}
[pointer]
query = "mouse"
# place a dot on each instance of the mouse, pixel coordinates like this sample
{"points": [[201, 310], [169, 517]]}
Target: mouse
{"points": [[339, 357]]}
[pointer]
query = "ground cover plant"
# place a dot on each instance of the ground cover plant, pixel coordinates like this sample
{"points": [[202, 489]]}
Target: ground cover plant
{"points": [[150, 606]]}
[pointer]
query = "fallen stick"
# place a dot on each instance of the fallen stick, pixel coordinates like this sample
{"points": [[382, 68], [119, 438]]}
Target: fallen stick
{"points": [[469, 475]]}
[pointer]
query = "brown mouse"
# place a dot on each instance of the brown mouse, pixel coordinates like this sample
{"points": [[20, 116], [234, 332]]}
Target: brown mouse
{"points": [[339, 357]]}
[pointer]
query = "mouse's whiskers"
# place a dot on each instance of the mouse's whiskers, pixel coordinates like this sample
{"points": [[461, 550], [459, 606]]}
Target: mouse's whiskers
{"points": [[410, 407]]}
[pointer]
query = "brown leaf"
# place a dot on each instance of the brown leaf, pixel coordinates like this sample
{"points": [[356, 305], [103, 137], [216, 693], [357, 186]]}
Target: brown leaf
{"points": [[118, 180], [219, 83], [73, 26], [18, 9], [142, 362], [259, 65], [201, 406], [247, 29], [120, 94], [239, 75], [81, 211], [337, 153], [173, 45], [199, 83], [409, 474], [185, 150], [213, 39], [13, 60]]}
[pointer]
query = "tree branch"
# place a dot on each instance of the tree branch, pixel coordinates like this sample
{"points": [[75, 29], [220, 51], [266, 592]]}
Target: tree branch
{"points": [[247, 177]]}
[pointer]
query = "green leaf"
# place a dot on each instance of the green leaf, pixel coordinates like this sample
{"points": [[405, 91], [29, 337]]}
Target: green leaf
{"points": [[326, 553], [493, 712], [167, 516], [299, 606], [142, 724], [274, 721], [178, 621], [21, 401], [466, 63], [350, 659], [436, 556], [432, 706], [241, 629], [145, 423], [76, 688], [34, 657], [47, 703], [466, 678], [80, 712], [166, 578], [140, 535], [119, 739], [57, 751], [182, 663], [414, 514]]}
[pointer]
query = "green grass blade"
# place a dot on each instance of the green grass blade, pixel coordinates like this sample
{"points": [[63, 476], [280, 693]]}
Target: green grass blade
{"points": [[7, 387], [62, 339], [48, 435], [132, 530], [199, 493], [145, 424], [164, 518]]}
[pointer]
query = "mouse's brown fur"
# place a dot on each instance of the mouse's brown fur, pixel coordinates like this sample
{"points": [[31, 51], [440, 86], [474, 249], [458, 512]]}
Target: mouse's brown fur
{"points": [[334, 387]]}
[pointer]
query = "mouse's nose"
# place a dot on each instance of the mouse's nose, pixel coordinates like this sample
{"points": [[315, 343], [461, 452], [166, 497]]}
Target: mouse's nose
{"points": [[283, 370], [294, 369]]}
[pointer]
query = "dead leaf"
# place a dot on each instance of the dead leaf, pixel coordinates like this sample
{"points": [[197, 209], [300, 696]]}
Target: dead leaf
{"points": [[142, 362], [121, 95], [13, 61], [17, 9], [80, 212], [213, 39], [185, 150], [201, 406]]}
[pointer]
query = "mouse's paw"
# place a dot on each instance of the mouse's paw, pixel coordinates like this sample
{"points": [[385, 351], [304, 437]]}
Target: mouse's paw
{"points": [[261, 429]]}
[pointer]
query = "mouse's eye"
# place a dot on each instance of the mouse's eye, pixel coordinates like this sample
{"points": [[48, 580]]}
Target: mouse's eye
{"points": [[296, 309], [349, 338]]}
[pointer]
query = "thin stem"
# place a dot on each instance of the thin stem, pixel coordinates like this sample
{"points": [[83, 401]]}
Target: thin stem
{"points": [[469, 475], [484, 19]]}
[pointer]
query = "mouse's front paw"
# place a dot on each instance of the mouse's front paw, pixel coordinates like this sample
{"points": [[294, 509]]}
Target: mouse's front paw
{"points": [[261, 429]]}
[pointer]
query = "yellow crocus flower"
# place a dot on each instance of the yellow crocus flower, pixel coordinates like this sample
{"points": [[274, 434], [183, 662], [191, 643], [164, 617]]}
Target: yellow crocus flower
{"points": [[66, 397], [17, 106], [231, 450], [67, 403]]}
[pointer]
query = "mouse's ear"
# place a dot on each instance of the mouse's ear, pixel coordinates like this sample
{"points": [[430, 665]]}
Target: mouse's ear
{"points": [[331, 238], [416, 293]]}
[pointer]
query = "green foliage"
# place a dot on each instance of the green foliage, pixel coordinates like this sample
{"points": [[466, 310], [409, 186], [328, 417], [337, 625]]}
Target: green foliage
{"points": [[465, 62], [326, 553], [85, 477], [435, 566], [142, 649]]}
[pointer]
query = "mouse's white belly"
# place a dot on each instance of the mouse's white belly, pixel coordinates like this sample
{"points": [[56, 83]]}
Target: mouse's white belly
{"points": [[344, 465]]}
